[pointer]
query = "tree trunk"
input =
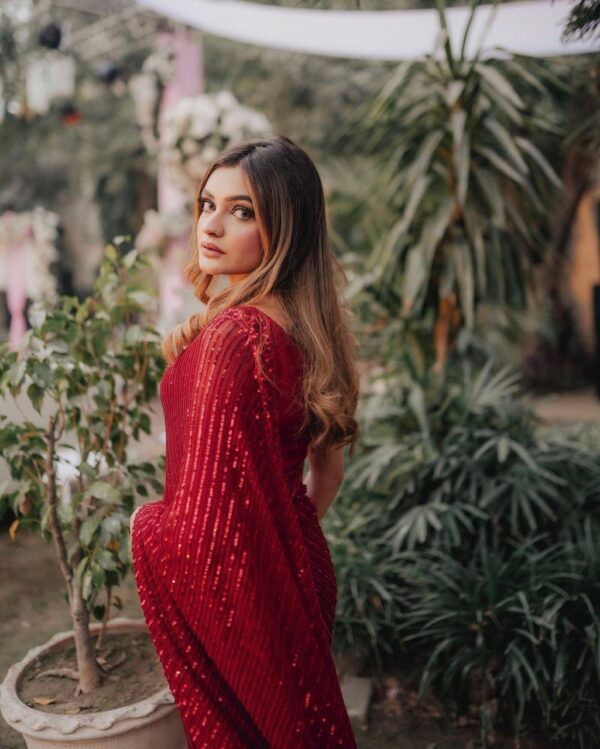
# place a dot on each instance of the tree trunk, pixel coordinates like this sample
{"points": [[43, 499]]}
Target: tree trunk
{"points": [[446, 326], [90, 675]]}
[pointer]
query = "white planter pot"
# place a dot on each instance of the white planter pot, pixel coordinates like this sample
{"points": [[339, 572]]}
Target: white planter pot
{"points": [[152, 723]]}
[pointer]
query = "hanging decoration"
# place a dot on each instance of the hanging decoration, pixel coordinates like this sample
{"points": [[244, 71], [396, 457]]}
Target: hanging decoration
{"points": [[107, 72], [50, 36], [70, 114], [533, 27], [27, 253], [49, 76]]}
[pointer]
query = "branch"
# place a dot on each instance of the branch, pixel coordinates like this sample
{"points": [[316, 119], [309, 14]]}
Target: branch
{"points": [[59, 542]]}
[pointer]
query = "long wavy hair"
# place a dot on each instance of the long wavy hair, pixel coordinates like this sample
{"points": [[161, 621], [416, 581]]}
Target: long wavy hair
{"points": [[300, 269]]}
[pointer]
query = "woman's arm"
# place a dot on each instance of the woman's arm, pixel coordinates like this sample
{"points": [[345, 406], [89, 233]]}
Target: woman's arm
{"points": [[324, 477]]}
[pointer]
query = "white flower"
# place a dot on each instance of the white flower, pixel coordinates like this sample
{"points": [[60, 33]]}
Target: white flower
{"points": [[225, 100], [210, 153], [257, 123], [190, 129], [189, 146], [196, 166]]}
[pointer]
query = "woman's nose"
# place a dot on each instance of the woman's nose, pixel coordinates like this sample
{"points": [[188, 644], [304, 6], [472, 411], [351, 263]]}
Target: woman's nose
{"points": [[212, 225]]}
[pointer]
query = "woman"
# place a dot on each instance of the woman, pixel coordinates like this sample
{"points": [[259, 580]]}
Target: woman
{"points": [[233, 571]]}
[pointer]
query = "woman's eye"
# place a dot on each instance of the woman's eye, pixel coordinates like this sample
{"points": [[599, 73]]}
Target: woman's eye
{"points": [[249, 213]]}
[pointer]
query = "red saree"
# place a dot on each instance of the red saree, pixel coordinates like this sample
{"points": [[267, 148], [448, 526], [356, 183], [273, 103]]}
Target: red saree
{"points": [[232, 568]]}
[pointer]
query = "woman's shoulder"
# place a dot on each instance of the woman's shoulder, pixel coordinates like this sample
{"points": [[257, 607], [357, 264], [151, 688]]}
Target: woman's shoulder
{"points": [[250, 320], [234, 327], [249, 330], [235, 322]]}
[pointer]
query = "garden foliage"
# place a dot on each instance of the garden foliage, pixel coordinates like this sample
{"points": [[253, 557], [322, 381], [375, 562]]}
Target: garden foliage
{"points": [[467, 536]]}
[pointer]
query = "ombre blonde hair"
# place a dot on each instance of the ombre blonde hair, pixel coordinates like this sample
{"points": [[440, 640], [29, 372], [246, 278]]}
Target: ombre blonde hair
{"points": [[300, 269]]}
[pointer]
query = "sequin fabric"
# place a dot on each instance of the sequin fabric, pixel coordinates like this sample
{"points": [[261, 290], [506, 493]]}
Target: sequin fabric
{"points": [[233, 572]]}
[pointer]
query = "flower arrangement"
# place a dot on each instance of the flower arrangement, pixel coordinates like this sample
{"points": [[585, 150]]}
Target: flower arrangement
{"points": [[159, 229], [198, 128], [146, 88]]}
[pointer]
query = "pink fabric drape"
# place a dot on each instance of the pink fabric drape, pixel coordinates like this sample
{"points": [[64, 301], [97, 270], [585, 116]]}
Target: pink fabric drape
{"points": [[187, 81]]}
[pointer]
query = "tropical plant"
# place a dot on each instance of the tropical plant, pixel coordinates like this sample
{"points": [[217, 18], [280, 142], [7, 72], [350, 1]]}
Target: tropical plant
{"points": [[583, 20], [513, 629], [370, 591], [471, 188], [451, 454], [480, 527], [90, 368]]}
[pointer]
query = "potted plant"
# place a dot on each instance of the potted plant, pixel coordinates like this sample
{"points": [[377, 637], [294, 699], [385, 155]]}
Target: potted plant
{"points": [[90, 368]]}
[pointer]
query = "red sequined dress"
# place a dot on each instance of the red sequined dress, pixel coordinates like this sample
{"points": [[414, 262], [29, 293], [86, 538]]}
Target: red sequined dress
{"points": [[233, 571]]}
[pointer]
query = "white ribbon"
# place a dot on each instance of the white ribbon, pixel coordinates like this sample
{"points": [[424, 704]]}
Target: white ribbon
{"points": [[532, 28]]}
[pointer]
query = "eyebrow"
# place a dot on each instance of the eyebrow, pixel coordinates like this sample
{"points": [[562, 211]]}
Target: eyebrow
{"points": [[231, 197]]}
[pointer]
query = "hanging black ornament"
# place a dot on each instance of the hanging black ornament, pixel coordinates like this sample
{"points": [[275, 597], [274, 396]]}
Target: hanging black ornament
{"points": [[107, 72], [50, 36]]}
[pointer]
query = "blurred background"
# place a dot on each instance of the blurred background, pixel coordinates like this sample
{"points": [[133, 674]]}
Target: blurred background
{"points": [[463, 188]]}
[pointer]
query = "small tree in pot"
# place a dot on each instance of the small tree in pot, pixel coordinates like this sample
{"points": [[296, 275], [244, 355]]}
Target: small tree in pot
{"points": [[97, 363]]}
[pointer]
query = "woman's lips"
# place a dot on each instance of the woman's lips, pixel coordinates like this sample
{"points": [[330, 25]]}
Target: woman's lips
{"points": [[211, 249]]}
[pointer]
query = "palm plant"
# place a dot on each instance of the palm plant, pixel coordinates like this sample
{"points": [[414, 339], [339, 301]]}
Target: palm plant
{"points": [[470, 189]]}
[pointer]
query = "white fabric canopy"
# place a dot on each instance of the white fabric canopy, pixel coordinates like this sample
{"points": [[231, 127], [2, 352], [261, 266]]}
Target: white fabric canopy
{"points": [[532, 28]]}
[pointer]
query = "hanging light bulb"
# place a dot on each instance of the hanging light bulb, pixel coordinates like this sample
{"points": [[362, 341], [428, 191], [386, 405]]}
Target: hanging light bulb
{"points": [[50, 36]]}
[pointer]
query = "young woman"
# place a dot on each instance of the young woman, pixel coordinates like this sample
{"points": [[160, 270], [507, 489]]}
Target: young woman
{"points": [[233, 571]]}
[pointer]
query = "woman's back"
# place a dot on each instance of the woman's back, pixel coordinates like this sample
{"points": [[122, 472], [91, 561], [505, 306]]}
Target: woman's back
{"points": [[288, 369]]}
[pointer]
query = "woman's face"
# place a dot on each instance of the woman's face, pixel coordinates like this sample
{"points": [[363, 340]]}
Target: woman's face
{"points": [[228, 221]]}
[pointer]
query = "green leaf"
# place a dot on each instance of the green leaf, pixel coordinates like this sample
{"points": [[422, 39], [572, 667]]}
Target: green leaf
{"points": [[453, 91], [500, 163], [507, 143], [104, 491], [145, 423], [465, 281], [421, 163], [81, 567], [36, 395], [17, 373], [540, 160], [87, 530], [98, 576], [105, 559], [498, 83], [142, 298], [134, 335]]}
